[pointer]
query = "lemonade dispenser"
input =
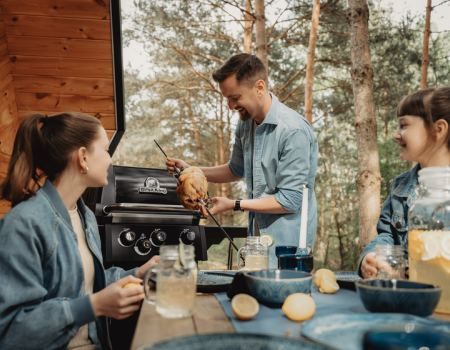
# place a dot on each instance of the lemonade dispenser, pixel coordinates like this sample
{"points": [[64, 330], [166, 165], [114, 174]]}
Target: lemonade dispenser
{"points": [[429, 233]]}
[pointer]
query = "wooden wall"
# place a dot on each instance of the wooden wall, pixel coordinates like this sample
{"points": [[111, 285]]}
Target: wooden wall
{"points": [[55, 55]]}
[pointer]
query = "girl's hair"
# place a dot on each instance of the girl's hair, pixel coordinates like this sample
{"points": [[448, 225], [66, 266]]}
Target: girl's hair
{"points": [[45, 150], [431, 104]]}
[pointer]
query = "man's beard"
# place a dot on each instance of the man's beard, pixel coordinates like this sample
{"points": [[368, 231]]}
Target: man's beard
{"points": [[244, 117]]}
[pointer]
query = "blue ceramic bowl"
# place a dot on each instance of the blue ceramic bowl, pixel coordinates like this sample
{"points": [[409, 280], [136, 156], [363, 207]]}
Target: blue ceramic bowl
{"points": [[398, 296], [297, 262], [272, 287], [405, 337]]}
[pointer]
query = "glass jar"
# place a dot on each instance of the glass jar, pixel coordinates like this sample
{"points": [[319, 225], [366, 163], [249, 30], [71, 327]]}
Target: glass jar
{"points": [[254, 254], [429, 233], [391, 261], [176, 284]]}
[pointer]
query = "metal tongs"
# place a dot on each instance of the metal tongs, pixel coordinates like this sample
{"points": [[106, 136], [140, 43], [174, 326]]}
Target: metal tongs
{"points": [[207, 200]]}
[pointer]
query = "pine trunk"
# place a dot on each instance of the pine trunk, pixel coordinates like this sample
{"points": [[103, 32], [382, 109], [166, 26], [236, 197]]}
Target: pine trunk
{"points": [[310, 65], [198, 144], [368, 177], [261, 40], [248, 27], [426, 40]]}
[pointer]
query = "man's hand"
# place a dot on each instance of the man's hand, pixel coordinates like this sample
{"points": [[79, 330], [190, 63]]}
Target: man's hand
{"points": [[369, 266], [221, 204], [116, 302], [148, 265], [177, 162]]}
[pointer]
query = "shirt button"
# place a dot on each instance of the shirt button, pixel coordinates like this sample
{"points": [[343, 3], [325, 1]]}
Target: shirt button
{"points": [[399, 224]]}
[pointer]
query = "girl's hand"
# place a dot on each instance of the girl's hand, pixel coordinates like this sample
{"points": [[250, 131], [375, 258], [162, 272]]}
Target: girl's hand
{"points": [[116, 302], [221, 204], [369, 266], [140, 273]]}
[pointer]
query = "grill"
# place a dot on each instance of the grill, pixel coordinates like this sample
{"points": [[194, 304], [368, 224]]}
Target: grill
{"points": [[138, 212]]}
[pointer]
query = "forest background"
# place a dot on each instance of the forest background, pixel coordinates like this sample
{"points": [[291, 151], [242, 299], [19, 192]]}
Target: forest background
{"points": [[176, 102]]}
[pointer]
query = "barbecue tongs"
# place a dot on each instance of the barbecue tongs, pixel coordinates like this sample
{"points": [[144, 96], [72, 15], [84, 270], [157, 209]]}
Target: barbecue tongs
{"points": [[205, 202]]}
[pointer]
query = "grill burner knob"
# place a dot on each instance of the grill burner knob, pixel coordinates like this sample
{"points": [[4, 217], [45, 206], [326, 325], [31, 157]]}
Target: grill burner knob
{"points": [[187, 237], [143, 246], [126, 238], [158, 238]]}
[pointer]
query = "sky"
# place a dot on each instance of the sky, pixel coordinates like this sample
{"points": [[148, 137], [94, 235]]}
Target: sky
{"points": [[440, 17]]}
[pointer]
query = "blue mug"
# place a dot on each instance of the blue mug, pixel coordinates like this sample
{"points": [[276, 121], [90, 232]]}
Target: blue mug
{"points": [[296, 262], [285, 249]]}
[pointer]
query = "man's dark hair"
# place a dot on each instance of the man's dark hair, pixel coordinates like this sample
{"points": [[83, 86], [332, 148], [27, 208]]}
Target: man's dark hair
{"points": [[248, 69]]}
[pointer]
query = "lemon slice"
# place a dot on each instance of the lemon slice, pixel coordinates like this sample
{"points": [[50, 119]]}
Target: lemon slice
{"points": [[299, 307], [328, 285], [266, 239], [445, 247], [180, 263], [244, 306], [319, 275], [431, 248]]}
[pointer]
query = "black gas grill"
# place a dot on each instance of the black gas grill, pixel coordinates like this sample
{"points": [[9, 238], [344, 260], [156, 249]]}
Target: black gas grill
{"points": [[138, 212]]}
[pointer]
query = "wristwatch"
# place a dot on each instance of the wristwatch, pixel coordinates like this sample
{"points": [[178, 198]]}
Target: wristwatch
{"points": [[237, 206]]}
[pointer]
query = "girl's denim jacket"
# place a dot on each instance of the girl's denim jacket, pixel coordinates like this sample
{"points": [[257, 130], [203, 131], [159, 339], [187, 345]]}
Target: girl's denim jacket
{"points": [[42, 301], [392, 227]]}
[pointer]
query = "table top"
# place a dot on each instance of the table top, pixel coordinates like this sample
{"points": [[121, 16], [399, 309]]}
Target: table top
{"points": [[208, 317]]}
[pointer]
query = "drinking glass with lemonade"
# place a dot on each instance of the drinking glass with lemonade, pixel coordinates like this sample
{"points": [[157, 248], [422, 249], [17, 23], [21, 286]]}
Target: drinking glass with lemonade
{"points": [[255, 254], [429, 233]]}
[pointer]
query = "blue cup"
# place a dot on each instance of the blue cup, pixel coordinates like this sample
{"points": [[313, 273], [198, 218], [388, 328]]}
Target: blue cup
{"points": [[296, 262], [285, 249]]}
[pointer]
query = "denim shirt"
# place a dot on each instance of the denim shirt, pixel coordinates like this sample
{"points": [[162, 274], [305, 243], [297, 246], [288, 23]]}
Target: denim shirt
{"points": [[285, 158], [42, 301], [392, 227]]}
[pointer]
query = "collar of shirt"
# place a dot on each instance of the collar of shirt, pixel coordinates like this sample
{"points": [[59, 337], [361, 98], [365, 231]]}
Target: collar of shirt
{"points": [[272, 114]]}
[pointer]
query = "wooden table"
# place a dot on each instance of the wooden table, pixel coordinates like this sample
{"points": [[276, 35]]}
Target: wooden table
{"points": [[208, 317]]}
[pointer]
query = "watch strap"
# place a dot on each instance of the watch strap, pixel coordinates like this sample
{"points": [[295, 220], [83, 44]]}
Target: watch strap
{"points": [[237, 206]]}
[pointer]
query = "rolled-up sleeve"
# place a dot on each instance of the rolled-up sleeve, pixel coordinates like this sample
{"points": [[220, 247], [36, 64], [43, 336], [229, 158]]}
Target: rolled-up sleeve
{"points": [[293, 169], [236, 162]]}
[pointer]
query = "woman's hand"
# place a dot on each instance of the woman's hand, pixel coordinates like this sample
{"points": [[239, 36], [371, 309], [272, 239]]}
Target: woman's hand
{"points": [[221, 204], [116, 302], [140, 273], [369, 266], [178, 162]]}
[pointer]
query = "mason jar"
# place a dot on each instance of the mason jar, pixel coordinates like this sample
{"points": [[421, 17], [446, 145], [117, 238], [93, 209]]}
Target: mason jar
{"points": [[391, 261], [176, 282], [429, 233], [255, 255]]}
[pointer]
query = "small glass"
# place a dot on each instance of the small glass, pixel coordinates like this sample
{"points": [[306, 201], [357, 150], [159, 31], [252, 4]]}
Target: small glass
{"points": [[391, 261], [254, 254], [176, 286]]}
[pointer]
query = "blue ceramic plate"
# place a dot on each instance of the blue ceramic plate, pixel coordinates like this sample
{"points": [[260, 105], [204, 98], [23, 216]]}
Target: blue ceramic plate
{"points": [[346, 331], [235, 341], [210, 282], [347, 279]]}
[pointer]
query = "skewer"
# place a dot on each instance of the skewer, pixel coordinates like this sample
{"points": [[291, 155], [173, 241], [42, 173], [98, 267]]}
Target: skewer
{"points": [[175, 167]]}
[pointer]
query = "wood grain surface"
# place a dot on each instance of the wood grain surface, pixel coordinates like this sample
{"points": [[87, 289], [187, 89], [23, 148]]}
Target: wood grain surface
{"points": [[209, 317]]}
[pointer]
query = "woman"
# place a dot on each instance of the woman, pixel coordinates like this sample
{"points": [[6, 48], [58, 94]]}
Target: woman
{"points": [[54, 291], [423, 137]]}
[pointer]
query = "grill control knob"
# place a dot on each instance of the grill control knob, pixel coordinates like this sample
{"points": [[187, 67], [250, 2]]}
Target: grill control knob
{"points": [[126, 238], [143, 246], [187, 237], [158, 238]]}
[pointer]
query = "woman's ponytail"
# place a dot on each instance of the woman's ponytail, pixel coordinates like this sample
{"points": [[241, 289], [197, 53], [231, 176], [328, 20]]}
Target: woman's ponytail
{"points": [[43, 147]]}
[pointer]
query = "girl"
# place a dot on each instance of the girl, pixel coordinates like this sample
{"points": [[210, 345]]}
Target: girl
{"points": [[54, 292], [423, 137]]}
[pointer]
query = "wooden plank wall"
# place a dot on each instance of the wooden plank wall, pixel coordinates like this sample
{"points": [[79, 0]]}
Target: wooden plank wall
{"points": [[9, 119], [56, 56]]}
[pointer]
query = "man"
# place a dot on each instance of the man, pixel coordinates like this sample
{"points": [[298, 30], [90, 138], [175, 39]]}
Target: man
{"points": [[275, 150]]}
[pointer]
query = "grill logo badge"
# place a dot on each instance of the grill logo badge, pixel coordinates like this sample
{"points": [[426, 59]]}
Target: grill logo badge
{"points": [[152, 186]]}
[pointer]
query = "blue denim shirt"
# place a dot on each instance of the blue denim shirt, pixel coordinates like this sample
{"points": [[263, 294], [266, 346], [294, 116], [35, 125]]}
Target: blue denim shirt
{"points": [[284, 159], [392, 227], [42, 301]]}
